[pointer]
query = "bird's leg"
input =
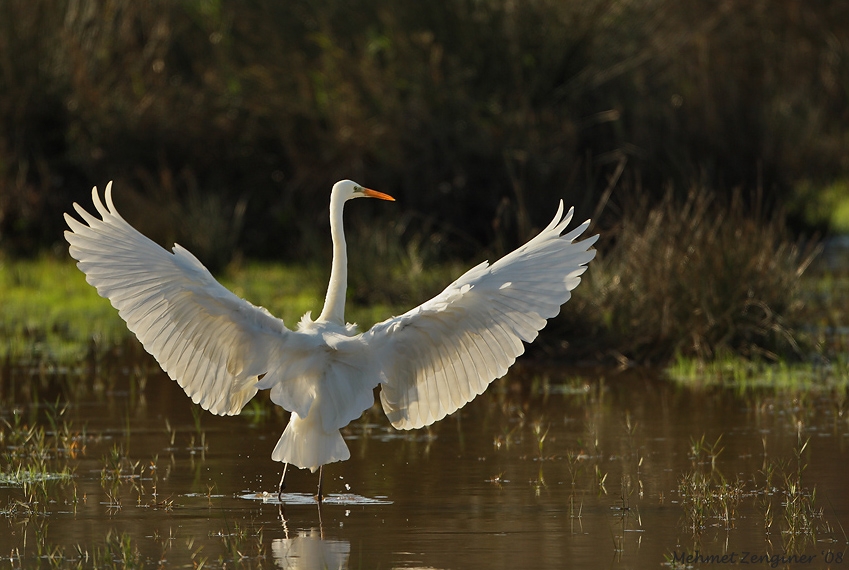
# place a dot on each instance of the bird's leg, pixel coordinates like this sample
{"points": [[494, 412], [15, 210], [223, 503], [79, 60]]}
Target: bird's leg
{"points": [[320, 524], [320, 496], [282, 483]]}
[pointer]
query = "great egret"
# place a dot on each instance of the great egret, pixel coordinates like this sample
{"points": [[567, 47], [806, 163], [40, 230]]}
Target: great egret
{"points": [[429, 362]]}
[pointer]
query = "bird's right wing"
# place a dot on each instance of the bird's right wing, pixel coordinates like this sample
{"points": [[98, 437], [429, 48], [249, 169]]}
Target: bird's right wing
{"points": [[210, 341], [437, 357]]}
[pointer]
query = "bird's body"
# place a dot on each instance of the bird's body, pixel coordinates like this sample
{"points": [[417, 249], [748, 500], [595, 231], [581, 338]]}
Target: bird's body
{"points": [[429, 361]]}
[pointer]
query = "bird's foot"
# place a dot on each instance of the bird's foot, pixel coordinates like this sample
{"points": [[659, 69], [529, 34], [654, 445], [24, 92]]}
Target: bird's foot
{"points": [[282, 483]]}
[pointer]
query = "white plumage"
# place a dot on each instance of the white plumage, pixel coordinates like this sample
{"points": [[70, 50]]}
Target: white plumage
{"points": [[429, 361]]}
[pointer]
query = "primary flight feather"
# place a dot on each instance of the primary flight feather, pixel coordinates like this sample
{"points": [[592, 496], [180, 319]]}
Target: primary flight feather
{"points": [[429, 361]]}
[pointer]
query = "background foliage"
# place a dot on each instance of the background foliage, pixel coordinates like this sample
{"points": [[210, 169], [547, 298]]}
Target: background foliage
{"points": [[686, 130], [478, 115]]}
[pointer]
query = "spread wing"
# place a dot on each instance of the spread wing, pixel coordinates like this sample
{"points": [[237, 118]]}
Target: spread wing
{"points": [[439, 356], [210, 341]]}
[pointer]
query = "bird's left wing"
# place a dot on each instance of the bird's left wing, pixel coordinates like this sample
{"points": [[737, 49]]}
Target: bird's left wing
{"points": [[437, 357], [210, 341]]}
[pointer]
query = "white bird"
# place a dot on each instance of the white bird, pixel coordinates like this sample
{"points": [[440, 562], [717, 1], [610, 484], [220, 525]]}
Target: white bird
{"points": [[429, 362]]}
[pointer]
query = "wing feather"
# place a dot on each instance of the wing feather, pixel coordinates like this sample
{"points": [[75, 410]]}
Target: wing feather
{"points": [[447, 372], [458, 370], [440, 355], [211, 342], [471, 367]]}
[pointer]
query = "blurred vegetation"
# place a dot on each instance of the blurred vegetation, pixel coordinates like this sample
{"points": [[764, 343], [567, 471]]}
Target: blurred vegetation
{"points": [[698, 277], [478, 115], [51, 315]]}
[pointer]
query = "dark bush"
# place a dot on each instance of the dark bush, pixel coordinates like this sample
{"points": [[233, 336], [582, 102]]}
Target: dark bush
{"points": [[696, 277], [477, 115]]}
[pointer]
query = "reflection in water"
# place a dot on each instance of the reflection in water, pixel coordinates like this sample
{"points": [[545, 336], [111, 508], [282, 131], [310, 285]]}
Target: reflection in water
{"points": [[309, 550]]}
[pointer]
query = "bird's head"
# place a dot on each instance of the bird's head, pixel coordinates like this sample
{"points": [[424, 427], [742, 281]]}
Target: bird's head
{"points": [[348, 189]]}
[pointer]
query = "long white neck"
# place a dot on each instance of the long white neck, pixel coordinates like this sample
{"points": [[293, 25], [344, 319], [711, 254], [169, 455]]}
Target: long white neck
{"points": [[334, 302]]}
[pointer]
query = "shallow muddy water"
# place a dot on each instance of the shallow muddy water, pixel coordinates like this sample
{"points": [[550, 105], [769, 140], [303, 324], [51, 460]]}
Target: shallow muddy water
{"points": [[548, 469]]}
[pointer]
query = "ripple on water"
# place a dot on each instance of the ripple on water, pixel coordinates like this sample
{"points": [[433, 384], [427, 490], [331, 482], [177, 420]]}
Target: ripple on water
{"points": [[307, 499]]}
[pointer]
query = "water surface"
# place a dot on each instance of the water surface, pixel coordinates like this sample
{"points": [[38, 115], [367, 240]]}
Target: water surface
{"points": [[550, 468]]}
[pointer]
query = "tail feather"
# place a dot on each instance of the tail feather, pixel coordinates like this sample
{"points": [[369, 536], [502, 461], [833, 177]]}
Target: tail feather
{"points": [[306, 445]]}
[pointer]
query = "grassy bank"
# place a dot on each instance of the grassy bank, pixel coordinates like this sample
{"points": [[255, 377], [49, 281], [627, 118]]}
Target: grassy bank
{"points": [[50, 313], [693, 279]]}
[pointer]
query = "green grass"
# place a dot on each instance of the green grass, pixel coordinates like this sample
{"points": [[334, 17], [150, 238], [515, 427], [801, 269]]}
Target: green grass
{"points": [[785, 502], [287, 291], [50, 314], [697, 278], [290, 291], [825, 205], [744, 374], [29, 475]]}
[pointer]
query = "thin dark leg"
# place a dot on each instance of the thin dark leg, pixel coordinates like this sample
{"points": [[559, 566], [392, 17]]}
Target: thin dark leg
{"points": [[282, 483], [320, 524], [320, 496]]}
